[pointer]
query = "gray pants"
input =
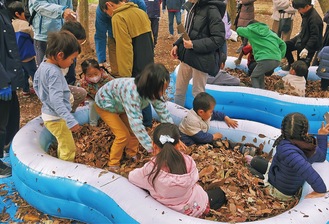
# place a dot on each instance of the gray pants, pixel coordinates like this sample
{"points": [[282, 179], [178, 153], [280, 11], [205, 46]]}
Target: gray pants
{"points": [[262, 67]]}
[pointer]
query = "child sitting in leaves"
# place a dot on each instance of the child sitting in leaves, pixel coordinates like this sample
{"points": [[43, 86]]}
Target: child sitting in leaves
{"points": [[294, 83], [172, 177], [292, 163], [194, 127], [94, 78]]}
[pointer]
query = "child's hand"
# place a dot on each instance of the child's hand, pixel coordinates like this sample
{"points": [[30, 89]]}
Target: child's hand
{"points": [[230, 122], [217, 136], [315, 195], [324, 129], [76, 128]]}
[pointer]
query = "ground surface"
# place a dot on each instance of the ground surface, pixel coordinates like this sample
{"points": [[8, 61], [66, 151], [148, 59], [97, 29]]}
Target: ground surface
{"points": [[30, 107]]}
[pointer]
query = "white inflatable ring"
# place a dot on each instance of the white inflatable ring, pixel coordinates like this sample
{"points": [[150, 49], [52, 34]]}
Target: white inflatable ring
{"points": [[91, 195]]}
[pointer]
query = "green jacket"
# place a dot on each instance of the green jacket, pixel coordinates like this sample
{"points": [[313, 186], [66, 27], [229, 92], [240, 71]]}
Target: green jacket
{"points": [[266, 45]]}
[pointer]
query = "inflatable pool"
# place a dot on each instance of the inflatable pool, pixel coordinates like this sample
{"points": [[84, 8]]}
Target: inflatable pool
{"points": [[92, 195]]}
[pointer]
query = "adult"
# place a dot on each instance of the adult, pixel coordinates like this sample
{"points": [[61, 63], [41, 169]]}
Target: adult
{"points": [[309, 39], [103, 34], [199, 56], [49, 17], [283, 15], [11, 77], [174, 8]]}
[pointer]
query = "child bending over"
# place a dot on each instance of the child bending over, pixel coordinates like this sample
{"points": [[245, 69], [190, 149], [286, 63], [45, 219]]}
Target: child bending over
{"points": [[194, 127], [52, 89], [172, 177], [292, 163], [120, 102], [94, 78]]}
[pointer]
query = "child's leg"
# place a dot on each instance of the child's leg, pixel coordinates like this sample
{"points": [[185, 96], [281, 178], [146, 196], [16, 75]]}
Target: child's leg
{"points": [[260, 164], [93, 116], [26, 86], [216, 197], [133, 143], [263, 66], [66, 145], [119, 130], [79, 95]]}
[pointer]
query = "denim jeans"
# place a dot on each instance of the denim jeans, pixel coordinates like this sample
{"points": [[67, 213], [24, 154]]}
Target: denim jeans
{"points": [[29, 68], [171, 16], [40, 50]]}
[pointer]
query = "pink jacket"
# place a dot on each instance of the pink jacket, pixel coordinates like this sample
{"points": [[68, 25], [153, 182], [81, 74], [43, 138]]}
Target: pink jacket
{"points": [[181, 193]]}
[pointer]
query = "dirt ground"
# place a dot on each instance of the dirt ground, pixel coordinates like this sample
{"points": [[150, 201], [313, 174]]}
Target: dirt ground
{"points": [[31, 107]]}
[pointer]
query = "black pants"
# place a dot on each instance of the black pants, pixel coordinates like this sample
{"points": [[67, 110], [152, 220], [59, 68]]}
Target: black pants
{"points": [[155, 29], [324, 84], [9, 120], [217, 198], [258, 166]]}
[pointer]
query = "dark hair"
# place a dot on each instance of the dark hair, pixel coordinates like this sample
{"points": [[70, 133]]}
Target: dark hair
{"points": [[62, 41], [152, 80], [294, 126], [102, 3], [90, 62], [75, 28], [203, 101], [14, 7], [300, 68], [299, 4], [168, 157]]}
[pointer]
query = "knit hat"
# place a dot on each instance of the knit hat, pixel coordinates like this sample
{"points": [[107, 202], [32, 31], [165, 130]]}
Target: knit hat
{"points": [[297, 4]]}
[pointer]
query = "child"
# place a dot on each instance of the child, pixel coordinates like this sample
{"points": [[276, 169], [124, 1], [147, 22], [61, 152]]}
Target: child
{"points": [[292, 163], [24, 38], [223, 77], [251, 63], [172, 177], [94, 78], [194, 127], [323, 69], [295, 81], [120, 102], [268, 50], [54, 93]]}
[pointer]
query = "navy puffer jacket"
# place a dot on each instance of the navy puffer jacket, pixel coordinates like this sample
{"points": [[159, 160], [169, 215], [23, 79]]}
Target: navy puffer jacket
{"points": [[207, 31]]}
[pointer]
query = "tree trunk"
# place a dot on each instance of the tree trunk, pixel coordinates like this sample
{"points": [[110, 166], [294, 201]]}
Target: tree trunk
{"points": [[231, 10], [324, 4], [83, 17]]}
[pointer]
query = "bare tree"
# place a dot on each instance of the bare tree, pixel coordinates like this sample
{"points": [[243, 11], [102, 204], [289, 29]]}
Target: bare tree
{"points": [[83, 17]]}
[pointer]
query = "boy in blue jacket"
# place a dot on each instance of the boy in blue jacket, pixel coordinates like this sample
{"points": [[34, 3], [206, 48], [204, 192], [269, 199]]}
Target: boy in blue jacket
{"points": [[194, 127]]}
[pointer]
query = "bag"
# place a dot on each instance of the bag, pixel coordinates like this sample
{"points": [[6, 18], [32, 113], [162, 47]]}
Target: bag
{"points": [[285, 24]]}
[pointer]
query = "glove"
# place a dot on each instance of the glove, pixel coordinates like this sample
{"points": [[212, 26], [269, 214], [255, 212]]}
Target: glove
{"points": [[5, 93], [237, 61], [303, 54]]}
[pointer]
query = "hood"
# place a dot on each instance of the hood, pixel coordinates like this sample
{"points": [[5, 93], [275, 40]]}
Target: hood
{"points": [[260, 29], [124, 7], [177, 185], [221, 5]]}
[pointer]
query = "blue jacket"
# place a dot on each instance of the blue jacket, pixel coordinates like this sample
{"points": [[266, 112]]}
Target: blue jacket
{"points": [[153, 8], [323, 69], [173, 5], [49, 16], [290, 167], [25, 45], [103, 27], [10, 64]]}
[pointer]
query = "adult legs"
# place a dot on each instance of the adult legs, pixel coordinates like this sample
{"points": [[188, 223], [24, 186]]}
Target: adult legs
{"points": [[178, 16], [184, 75], [290, 48], [40, 50], [199, 81], [155, 29], [29, 68], [171, 22]]}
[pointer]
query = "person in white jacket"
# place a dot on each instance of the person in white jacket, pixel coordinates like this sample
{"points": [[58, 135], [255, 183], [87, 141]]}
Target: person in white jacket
{"points": [[283, 13]]}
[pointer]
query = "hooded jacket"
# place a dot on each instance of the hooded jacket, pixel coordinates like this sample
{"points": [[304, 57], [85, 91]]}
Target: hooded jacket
{"points": [[323, 68], [206, 29], [181, 193], [290, 167], [265, 43]]}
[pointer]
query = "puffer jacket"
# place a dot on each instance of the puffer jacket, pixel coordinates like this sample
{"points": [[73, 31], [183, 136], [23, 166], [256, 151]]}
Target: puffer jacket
{"points": [[206, 29], [323, 68], [290, 168], [247, 13], [10, 64], [49, 16]]}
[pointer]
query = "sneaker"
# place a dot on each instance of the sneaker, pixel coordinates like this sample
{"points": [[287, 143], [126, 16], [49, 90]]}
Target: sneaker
{"points": [[170, 36], [285, 67], [5, 171]]}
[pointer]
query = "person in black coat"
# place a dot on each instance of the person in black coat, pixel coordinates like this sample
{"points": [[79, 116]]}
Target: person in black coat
{"points": [[199, 55], [11, 77]]}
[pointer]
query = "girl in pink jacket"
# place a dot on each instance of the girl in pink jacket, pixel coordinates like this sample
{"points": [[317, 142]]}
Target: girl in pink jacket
{"points": [[171, 177]]}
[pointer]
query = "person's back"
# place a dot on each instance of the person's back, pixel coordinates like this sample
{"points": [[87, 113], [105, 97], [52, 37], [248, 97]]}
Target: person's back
{"points": [[295, 81], [323, 68]]}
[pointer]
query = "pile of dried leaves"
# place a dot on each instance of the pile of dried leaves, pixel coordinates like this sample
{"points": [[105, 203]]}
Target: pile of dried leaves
{"points": [[218, 166]]}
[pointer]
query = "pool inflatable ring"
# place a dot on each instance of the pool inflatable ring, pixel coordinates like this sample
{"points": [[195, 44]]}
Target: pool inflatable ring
{"points": [[92, 195]]}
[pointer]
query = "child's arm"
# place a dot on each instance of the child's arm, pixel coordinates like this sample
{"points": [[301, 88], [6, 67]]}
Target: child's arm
{"points": [[139, 176], [205, 137], [238, 60], [230, 122], [219, 116]]}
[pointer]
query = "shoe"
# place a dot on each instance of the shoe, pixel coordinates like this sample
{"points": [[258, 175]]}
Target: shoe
{"points": [[248, 150], [170, 36], [26, 94], [5, 170], [113, 169], [285, 67]]}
